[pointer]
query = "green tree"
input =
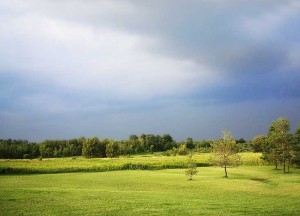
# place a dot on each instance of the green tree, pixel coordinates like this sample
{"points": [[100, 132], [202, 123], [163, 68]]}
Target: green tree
{"points": [[133, 137], [112, 149], [91, 148], [296, 147], [102, 147], [225, 152], [167, 142], [258, 143], [279, 143], [190, 143], [191, 167]]}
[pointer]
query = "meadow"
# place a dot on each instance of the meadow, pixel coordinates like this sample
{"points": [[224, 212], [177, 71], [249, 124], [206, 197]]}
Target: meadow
{"points": [[249, 190], [144, 185]]}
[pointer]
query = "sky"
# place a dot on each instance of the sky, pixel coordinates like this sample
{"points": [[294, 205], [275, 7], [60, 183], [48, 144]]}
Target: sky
{"points": [[115, 68]]}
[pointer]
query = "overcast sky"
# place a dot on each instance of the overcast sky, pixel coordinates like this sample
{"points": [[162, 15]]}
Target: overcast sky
{"points": [[72, 68]]}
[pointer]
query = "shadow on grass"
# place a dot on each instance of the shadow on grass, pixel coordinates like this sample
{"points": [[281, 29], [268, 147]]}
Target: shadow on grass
{"points": [[264, 180]]}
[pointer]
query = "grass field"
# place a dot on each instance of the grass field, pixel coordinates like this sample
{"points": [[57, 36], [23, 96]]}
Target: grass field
{"points": [[250, 190], [142, 162]]}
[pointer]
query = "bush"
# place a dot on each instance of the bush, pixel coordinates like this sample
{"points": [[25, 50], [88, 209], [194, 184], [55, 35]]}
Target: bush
{"points": [[167, 153], [182, 150]]}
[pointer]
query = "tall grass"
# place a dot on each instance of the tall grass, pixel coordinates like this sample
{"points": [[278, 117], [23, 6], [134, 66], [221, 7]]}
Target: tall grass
{"points": [[252, 159], [140, 162]]}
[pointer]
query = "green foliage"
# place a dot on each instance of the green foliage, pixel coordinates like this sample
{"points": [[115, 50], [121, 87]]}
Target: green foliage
{"points": [[245, 146], [259, 143], [296, 147], [17, 149], [225, 152], [112, 149], [278, 149], [61, 148], [203, 146], [91, 148], [190, 143], [182, 150]]}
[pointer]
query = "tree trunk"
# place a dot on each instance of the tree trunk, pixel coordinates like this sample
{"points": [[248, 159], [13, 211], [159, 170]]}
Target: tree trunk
{"points": [[225, 171], [284, 167], [276, 166]]}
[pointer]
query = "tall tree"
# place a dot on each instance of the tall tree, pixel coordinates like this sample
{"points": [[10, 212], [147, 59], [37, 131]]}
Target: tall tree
{"points": [[296, 147], [279, 143], [225, 152], [91, 148], [112, 149], [167, 142]]}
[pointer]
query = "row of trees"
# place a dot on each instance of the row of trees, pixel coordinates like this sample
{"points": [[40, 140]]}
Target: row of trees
{"points": [[18, 149], [91, 147], [94, 147], [279, 146]]}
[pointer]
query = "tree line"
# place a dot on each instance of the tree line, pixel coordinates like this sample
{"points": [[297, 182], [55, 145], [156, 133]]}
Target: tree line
{"points": [[95, 147], [87, 147], [279, 146]]}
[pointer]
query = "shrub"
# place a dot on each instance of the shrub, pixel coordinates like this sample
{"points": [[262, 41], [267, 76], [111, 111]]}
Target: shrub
{"points": [[182, 150]]}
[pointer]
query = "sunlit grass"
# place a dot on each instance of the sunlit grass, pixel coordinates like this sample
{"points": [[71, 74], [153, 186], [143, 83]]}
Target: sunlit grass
{"points": [[153, 192]]}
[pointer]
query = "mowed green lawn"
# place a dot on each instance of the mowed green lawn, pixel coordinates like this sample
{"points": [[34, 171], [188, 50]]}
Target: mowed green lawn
{"points": [[255, 190]]}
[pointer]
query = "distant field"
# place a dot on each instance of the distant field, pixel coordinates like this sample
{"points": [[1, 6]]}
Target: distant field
{"points": [[248, 191], [142, 162]]}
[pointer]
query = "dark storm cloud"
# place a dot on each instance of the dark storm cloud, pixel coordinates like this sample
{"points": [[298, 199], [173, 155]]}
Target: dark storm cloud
{"points": [[72, 68], [247, 44]]}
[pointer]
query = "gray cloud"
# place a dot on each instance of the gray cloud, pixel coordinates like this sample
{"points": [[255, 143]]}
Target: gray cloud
{"points": [[121, 67]]}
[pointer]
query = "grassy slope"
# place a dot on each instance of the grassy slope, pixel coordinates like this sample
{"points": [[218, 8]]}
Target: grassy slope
{"points": [[163, 192], [60, 165]]}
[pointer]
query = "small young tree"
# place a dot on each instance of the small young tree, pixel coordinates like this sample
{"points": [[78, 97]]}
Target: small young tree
{"points": [[225, 152], [192, 167]]}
